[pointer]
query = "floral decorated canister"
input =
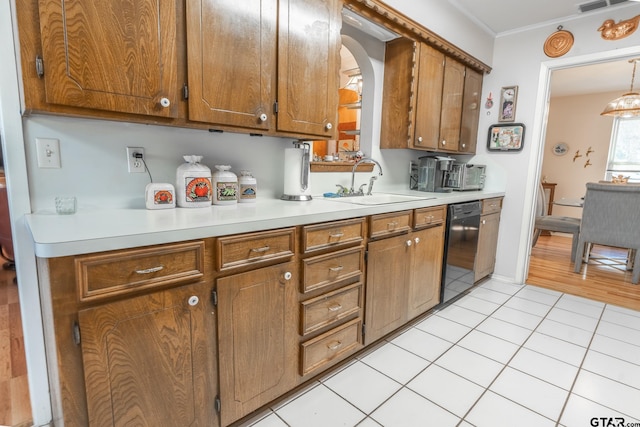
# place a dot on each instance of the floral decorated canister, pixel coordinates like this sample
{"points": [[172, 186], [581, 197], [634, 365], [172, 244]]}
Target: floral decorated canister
{"points": [[193, 183]]}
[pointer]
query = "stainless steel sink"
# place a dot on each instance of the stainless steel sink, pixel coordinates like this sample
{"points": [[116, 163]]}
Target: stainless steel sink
{"points": [[378, 199]]}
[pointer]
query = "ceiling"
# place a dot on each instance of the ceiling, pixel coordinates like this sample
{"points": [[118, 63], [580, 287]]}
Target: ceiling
{"points": [[505, 16]]}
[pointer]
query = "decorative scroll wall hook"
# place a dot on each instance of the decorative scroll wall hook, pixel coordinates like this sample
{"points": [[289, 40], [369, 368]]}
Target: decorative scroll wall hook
{"points": [[575, 156]]}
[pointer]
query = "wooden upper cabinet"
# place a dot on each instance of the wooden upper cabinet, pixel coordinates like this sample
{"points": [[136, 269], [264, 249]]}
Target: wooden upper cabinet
{"points": [[231, 48], [428, 98], [308, 66], [111, 55], [451, 114], [471, 101]]}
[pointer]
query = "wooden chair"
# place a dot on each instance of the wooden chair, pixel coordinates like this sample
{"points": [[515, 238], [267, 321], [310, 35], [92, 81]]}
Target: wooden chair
{"points": [[610, 217], [561, 224]]}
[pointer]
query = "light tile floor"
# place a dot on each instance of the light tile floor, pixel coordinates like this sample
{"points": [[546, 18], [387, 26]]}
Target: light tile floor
{"points": [[502, 355]]}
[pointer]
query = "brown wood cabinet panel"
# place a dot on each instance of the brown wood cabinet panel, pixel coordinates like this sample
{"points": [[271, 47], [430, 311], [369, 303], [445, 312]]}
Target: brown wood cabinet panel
{"points": [[386, 293], [427, 217], [426, 270], [396, 130], [332, 234], [331, 308], [331, 346], [120, 272], [150, 360], [232, 62], [111, 55], [254, 248], [491, 205], [308, 66], [326, 270], [257, 338], [487, 245], [429, 98], [471, 105], [390, 223], [451, 114]]}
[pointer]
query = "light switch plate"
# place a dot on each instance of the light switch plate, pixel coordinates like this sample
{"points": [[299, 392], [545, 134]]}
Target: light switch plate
{"points": [[48, 150]]}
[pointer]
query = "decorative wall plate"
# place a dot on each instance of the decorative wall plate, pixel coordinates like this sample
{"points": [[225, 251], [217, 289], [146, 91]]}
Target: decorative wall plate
{"points": [[560, 149], [558, 43]]}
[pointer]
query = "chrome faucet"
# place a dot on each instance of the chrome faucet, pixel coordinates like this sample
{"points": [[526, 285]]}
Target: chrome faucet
{"points": [[352, 190]]}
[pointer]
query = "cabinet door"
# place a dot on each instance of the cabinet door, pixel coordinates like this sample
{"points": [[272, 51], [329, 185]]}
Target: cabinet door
{"points": [[426, 270], [232, 62], [257, 337], [150, 360], [111, 55], [429, 98], [487, 245], [387, 278], [451, 113], [308, 66], [471, 101]]}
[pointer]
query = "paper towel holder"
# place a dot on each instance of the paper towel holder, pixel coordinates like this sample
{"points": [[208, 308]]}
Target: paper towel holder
{"points": [[305, 170]]}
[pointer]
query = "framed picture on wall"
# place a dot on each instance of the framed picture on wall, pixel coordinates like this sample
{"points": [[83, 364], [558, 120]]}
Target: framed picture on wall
{"points": [[505, 137], [508, 99]]}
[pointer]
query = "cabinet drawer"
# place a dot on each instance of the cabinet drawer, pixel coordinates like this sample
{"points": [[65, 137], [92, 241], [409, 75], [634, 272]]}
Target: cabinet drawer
{"points": [[132, 270], [429, 216], [325, 270], [320, 236], [330, 347], [244, 249], [391, 223], [491, 205], [331, 308]]}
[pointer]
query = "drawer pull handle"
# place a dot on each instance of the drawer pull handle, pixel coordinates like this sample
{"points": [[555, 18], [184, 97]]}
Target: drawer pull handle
{"points": [[392, 225], [334, 345], [336, 235], [336, 269], [150, 270], [260, 250], [335, 307]]}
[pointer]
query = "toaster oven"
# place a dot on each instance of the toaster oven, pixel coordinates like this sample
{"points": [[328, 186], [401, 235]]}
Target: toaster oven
{"points": [[465, 176]]}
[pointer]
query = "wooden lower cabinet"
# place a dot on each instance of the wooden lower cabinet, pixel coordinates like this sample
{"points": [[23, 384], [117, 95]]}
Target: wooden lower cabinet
{"points": [[403, 279], [487, 238], [150, 361], [257, 338]]}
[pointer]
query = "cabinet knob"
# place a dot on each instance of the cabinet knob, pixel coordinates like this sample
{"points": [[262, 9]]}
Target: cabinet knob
{"points": [[464, 145], [419, 139], [484, 221], [329, 126], [165, 102], [444, 142], [193, 300], [263, 117], [417, 240], [287, 275], [408, 243]]}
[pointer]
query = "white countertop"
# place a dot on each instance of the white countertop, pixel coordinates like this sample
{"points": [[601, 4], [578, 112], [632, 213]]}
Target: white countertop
{"points": [[97, 230]]}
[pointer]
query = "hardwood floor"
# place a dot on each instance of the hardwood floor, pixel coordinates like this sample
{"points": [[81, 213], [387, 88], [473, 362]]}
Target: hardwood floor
{"points": [[15, 407], [604, 278]]}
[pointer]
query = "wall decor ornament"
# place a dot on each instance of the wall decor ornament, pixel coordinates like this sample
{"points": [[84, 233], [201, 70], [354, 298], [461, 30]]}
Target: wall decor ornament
{"points": [[560, 149], [506, 137], [609, 30], [508, 99], [558, 43]]}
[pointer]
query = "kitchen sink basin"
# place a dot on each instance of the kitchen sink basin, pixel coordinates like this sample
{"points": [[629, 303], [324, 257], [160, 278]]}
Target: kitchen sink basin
{"points": [[378, 199]]}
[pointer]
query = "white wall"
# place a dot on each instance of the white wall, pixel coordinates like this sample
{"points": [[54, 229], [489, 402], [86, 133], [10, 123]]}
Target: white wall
{"points": [[576, 121], [519, 60]]}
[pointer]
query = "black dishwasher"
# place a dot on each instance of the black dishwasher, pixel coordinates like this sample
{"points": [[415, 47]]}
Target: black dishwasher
{"points": [[461, 245]]}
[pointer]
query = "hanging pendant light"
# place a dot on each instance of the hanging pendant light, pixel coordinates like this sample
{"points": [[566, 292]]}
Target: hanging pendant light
{"points": [[628, 105]]}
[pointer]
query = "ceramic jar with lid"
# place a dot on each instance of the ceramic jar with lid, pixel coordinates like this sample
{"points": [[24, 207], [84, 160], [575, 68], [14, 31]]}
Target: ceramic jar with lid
{"points": [[248, 187], [193, 183], [225, 186]]}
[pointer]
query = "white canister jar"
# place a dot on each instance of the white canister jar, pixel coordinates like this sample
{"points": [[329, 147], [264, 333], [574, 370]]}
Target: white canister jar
{"points": [[248, 187], [225, 186], [193, 183], [160, 196]]}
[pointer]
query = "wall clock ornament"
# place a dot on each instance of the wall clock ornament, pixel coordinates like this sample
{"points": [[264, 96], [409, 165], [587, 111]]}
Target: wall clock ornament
{"points": [[558, 43], [508, 98]]}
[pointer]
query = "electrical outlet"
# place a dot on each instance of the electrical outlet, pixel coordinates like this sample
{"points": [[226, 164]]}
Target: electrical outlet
{"points": [[48, 152], [136, 165]]}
